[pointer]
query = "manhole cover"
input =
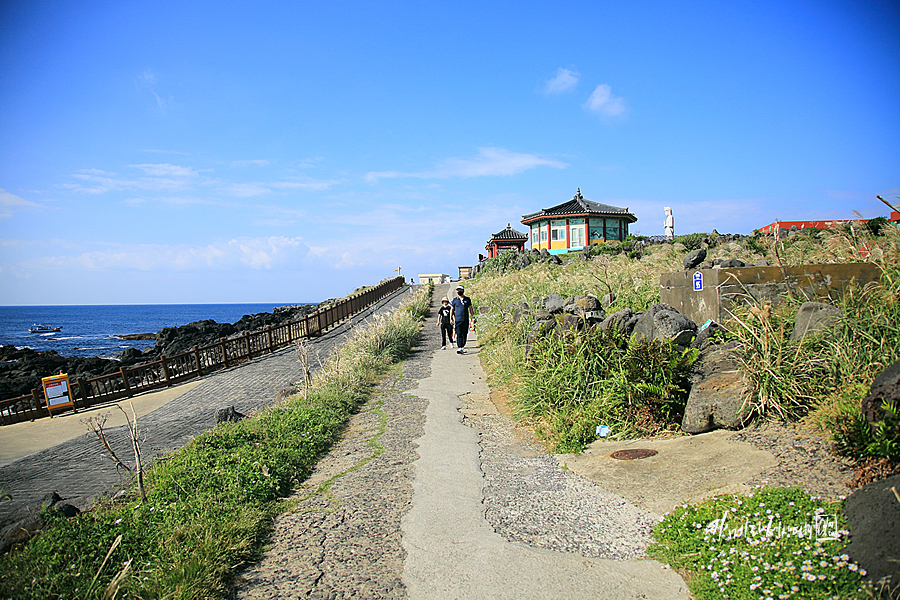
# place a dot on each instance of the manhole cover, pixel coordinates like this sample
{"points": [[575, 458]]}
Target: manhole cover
{"points": [[633, 453]]}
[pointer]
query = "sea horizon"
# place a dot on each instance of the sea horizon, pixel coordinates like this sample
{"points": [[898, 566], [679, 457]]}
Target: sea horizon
{"points": [[274, 304]]}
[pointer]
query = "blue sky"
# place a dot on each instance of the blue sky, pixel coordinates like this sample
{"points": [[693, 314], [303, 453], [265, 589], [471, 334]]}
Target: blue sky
{"points": [[288, 152]]}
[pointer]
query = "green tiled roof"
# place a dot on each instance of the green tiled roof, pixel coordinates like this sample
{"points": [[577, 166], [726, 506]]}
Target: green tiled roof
{"points": [[581, 207]]}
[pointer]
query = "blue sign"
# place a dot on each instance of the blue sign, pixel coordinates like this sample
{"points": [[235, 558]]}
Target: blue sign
{"points": [[698, 281]]}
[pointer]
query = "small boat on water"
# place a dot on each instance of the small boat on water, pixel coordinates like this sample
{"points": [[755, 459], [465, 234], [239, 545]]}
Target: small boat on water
{"points": [[43, 328]]}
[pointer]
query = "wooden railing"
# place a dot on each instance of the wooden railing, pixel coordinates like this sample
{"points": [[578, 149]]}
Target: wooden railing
{"points": [[198, 361]]}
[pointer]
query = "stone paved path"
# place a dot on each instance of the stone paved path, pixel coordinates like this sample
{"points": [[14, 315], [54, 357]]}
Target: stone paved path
{"points": [[75, 469]]}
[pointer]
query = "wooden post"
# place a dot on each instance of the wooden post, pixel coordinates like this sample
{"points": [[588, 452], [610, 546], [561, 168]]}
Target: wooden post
{"points": [[247, 345], [38, 403], [269, 338], [165, 370], [125, 381], [196, 350], [83, 388], [224, 352]]}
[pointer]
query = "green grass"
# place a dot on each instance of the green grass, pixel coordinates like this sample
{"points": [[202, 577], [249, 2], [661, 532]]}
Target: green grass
{"points": [[573, 383], [210, 505], [826, 376], [770, 543], [821, 377], [570, 385]]}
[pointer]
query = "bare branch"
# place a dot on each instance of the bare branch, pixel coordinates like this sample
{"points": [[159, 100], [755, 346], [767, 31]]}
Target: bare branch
{"points": [[96, 423]]}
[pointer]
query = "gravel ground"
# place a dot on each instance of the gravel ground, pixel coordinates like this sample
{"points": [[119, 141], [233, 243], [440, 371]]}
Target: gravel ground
{"points": [[529, 499], [804, 459], [342, 540]]}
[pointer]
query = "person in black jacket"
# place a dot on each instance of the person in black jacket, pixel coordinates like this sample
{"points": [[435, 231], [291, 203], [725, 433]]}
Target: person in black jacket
{"points": [[445, 323], [462, 306]]}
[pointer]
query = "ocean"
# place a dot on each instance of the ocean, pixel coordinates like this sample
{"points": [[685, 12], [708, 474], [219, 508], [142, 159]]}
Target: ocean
{"points": [[91, 330]]}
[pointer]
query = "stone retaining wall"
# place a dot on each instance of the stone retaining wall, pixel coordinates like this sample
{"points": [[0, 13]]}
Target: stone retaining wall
{"points": [[721, 289]]}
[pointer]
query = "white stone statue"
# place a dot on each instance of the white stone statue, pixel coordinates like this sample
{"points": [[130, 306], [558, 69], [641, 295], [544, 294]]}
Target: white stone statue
{"points": [[669, 224]]}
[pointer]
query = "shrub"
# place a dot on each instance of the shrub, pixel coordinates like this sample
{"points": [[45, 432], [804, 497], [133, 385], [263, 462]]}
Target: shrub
{"points": [[830, 372], [500, 263], [876, 225], [784, 377], [574, 382], [755, 245], [692, 241]]}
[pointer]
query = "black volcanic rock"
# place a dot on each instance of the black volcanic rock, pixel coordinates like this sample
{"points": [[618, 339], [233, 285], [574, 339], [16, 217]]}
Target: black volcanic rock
{"points": [[175, 340]]}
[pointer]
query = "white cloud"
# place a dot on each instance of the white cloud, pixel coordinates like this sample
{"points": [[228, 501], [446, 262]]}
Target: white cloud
{"points": [[163, 176], [564, 81], [310, 163], [368, 238], [166, 170], [254, 253], [147, 81], [245, 190], [305, 184], [249, 163], [253, 189], [185, 185], [489, 162], [173, 200], [9, 203], [604, 102]]}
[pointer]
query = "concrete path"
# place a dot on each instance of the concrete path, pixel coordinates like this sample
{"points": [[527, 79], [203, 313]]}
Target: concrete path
{"points": [[453, 552], [72, 464]]}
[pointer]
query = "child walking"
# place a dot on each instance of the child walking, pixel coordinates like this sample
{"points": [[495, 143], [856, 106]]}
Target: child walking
{"points": [[444, 323]]}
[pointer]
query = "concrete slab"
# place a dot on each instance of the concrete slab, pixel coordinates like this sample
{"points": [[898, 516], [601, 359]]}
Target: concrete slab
{"points": [[21, 439], [453, 552], [685, 470]]}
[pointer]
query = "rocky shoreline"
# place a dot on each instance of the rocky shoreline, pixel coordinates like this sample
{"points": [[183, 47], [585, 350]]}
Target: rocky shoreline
{"points": [[136, 336], [21, 370]]}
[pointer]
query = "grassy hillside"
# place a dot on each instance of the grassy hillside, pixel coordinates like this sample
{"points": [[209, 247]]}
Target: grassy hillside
{"points": [[570, 385]]}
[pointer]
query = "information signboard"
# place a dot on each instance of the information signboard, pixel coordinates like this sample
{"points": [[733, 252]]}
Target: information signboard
{"points": [[698, 281], [57, 391]]}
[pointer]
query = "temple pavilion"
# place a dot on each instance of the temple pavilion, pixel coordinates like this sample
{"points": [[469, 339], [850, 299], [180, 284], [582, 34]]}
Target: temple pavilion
{"points": [[574, 224], [506, 239]]}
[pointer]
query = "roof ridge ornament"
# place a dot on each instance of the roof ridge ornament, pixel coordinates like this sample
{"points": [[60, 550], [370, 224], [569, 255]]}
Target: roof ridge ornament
{"points": [[579, 198]]}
